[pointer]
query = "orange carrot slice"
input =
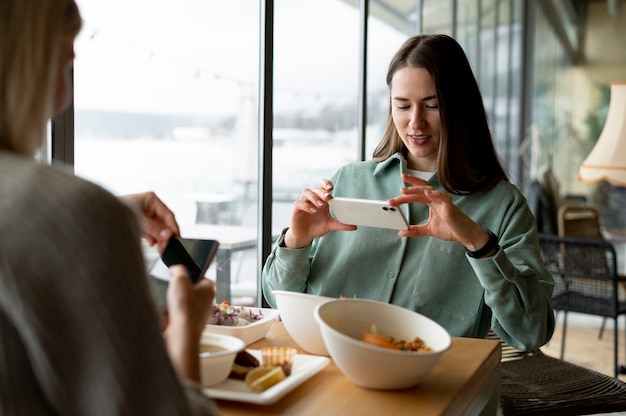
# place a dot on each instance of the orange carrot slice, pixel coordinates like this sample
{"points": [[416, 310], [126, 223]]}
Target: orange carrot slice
{"points": [[378, 340]]}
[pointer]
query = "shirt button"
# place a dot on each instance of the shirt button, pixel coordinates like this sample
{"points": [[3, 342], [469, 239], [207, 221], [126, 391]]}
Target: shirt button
{"points": [[390, 275]]}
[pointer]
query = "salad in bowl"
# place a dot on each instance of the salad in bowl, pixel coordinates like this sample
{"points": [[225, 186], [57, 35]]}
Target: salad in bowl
{"points": [[244, 322]]}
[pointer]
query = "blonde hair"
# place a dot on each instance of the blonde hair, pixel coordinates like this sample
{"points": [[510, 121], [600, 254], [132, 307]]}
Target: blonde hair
{"points": [[31, 34]]}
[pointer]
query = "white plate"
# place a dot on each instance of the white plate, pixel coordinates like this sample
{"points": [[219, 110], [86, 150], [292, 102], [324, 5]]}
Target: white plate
{"points": [[304, 367]]}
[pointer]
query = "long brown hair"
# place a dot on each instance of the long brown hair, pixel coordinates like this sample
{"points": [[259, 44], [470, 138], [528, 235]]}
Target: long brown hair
{"points": [[467, 160]]}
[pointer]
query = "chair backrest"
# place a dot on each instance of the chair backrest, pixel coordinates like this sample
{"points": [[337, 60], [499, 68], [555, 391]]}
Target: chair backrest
{"points": [[575, 220], [585, 274]]}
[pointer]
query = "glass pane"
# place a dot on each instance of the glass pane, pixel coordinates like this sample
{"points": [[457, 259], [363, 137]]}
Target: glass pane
{"points": [[315, 96], [553, 143], [508, 75], [166, 100], [385, 36], [467, 29], [486, 69], [501, 108], [437, 16]]}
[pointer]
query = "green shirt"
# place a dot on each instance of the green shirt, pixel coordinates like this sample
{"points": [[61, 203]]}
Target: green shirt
{"points": [[509, 292]]}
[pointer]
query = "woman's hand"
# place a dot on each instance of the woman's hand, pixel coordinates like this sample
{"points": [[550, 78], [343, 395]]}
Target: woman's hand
{"points": [[158, 222], [189, 307], [311, 217], [445, 220]]}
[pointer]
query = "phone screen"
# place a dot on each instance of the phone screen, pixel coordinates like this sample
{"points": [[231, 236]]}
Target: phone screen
{"points": [[194, 254]]}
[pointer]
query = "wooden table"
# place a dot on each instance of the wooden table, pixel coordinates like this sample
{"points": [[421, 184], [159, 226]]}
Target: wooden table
{"points": [[464, 382]]}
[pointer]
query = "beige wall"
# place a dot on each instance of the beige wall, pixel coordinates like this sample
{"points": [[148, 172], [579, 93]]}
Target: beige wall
{"points": [[605, 42]]}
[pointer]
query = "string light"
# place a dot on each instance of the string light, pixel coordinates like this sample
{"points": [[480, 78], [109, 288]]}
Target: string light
{"points": [[199, 72]]}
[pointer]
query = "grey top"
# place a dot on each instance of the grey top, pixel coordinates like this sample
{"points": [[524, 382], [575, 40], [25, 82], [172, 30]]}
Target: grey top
{"points": [[79, 332]]}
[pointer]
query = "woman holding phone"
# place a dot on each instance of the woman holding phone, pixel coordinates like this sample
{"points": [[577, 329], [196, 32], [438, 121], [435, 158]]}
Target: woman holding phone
{"points": [[79, 331], [473, 261]]}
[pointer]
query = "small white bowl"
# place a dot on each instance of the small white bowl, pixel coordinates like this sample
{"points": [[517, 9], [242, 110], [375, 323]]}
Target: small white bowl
{"points": [[343, 322], [215, 366], [248, 333], [296, 312]]}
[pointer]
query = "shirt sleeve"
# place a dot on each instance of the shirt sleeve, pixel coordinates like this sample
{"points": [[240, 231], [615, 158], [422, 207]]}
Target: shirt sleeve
{"points": [[518, 288], [285, 269]]}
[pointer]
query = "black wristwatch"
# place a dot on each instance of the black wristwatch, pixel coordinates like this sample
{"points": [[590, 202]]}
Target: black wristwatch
{"points": [[281, 239], [491, 244]]}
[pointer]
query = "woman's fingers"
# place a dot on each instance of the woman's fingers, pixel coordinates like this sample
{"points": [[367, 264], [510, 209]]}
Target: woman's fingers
{"points": [[325, 185], [410, 196], [309, 201], [312, 200], [413, 180]]}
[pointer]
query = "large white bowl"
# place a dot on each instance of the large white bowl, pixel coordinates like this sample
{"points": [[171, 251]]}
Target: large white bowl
{"points": [[215, 366], [248, 333], [296, 312], [343, 322]]}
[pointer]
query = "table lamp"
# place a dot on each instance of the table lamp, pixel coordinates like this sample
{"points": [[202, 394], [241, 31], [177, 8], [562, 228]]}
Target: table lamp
{"points": [[607, 160]]}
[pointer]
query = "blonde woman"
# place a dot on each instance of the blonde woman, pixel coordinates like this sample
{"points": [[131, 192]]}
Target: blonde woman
{"points": [[79, 332]]}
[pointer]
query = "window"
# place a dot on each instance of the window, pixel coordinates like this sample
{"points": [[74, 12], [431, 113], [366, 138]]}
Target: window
{"points": [[166, 99], [315, 96]]}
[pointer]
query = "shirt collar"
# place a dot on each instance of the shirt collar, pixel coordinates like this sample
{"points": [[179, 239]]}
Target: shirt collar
{"points": [[393, 161], [390, 162]]}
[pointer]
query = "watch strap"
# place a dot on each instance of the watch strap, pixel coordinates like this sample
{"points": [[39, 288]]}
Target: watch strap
{"points": [[491, 244]]}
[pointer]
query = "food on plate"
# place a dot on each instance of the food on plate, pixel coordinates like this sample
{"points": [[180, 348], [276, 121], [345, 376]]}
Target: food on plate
{"points": [[246, 359], [229, 315], [262, 378], [239, 372], [244, 362], [279, 356], [375, 338]]}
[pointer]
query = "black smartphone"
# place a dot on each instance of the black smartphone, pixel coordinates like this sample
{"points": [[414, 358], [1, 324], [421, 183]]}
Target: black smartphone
{"points": [[195, 254]]}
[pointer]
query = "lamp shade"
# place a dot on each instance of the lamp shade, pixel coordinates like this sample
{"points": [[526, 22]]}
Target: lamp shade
{"points": [[607, 159]]}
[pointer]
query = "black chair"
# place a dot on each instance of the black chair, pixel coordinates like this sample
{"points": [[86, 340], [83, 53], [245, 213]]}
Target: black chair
{"points": [[586, 281], [533, 383]]}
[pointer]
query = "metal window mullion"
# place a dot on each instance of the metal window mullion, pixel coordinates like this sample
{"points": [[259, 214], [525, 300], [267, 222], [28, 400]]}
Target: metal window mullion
{"points": [[266, 114], [62, 132], [362, 80]]}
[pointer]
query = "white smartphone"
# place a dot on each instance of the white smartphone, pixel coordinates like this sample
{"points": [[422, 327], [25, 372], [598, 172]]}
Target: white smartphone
{"points": [[368, 213]]}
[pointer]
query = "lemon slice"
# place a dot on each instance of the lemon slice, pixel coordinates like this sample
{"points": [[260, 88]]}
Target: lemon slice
{"points": [[262, 378]]}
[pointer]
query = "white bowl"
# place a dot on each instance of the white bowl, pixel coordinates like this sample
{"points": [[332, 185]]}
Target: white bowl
{"points": [[248, 333], [343, 322], [215, 366], [296, 312]]}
